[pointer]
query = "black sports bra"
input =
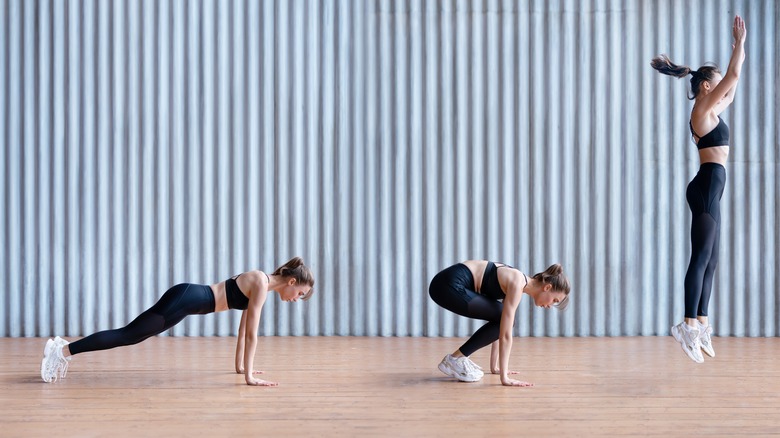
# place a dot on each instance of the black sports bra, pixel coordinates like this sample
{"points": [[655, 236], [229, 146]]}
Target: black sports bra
{"points": [[491, 288], [235, 298], [717, 137]]}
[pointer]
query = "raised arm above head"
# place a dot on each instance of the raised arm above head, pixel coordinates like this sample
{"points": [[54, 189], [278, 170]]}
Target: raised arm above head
{"points": [[712, 93], [722, 95]]}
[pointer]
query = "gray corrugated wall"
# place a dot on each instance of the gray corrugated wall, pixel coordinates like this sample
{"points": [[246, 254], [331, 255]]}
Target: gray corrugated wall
{"points": [[146, 143]]}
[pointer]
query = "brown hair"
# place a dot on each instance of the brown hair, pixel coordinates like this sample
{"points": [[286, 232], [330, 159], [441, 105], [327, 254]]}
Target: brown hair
{"points": [[295, 268], [664, 65], [554, 275]]}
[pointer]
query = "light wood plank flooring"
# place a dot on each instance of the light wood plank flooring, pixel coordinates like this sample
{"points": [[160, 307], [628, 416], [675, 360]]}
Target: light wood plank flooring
{"points": [[344, 386]]}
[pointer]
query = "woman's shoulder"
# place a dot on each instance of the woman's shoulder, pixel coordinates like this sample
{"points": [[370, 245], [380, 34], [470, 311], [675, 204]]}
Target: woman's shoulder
{"points": [[255, 274], [254, 277], [510, 274]]}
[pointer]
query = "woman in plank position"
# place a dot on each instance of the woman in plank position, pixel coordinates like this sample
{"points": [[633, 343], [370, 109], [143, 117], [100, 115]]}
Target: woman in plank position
{"points": [[247, 291]]}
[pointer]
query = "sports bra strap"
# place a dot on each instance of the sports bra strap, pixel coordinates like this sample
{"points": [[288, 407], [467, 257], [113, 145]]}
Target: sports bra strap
{"points": [[690, 123]]}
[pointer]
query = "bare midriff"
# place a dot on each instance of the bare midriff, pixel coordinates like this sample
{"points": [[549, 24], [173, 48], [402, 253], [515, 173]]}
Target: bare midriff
{"points": [[220, 297], [477, 268], [716, 154]]}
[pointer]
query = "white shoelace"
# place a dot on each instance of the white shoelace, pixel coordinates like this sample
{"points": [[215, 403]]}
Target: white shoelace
{"points": [[692, 337], [469, 365], [57, 366]]}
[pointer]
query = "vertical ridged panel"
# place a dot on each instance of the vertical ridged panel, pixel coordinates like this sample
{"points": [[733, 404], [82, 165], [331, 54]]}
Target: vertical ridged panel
{"points": [[146, 143]]}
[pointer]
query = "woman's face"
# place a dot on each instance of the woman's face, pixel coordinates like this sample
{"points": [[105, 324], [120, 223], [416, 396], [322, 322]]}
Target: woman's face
{"points": [[548, 297], [292, 291]]}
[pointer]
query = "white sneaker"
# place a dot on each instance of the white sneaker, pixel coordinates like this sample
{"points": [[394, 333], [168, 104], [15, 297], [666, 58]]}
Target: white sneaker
{"points": [[460, 368], [689, 341], [64, 361], [705, 339], [54, 365], [473, 364]]}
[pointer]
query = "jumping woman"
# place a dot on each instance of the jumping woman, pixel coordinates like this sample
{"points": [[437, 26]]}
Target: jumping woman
{"points": [[489, 291], [247, 291], [712, 93]]}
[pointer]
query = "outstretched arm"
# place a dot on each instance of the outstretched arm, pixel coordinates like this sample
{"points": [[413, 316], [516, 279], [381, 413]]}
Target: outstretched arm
{"points": [[240, 341], [253, 311], [729, 97], [722, 96], [505, 334]]}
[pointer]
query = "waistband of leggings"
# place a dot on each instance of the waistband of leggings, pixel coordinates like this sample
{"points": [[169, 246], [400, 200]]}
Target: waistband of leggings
{"points": [[712, 166]]}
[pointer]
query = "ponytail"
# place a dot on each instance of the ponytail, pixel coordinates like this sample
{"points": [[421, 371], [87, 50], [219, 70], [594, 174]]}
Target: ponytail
{"points": [[664, 65]]}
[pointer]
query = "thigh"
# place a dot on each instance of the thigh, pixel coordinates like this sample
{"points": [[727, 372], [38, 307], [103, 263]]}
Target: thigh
{"points": [[451, 288], [468, 303], [488, 309], [451, 297]]}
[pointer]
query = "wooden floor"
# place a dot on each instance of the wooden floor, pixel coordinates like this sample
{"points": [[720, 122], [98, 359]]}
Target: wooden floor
{"points": [[341, 386]]}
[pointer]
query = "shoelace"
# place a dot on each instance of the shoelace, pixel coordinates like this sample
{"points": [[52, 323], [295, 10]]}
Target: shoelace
{"points": [[693, 338], [469, 365], [57, 368], [63, 362]]}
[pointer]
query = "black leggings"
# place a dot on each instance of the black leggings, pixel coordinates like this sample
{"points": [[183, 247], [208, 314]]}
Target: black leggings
{"points": [[175, 304], [452, 289], [703, 194]]}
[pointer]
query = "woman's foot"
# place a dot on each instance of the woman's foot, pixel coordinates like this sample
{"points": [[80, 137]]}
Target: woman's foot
{"points": [[688, 337], [460, 368], [705, 339], [54, 365]]}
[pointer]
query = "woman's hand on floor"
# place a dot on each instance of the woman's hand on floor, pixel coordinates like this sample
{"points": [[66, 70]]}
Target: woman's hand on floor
{"points": [[260, 382], [512, 382], [241, 371]]}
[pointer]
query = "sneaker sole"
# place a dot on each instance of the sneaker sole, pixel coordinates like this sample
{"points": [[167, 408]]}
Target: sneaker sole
{"points": [[678, 337]]}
